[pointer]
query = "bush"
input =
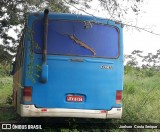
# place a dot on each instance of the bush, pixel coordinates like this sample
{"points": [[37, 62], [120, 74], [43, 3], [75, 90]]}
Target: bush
{"points": [[4, 70]]}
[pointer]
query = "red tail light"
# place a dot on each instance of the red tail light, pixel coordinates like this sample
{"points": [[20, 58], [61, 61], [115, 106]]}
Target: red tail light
{"points": [[44, 110], [118, 97], [27, 94], [103, 111]]}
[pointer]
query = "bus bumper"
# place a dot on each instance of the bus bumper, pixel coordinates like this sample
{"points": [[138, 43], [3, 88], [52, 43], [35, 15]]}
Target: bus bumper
{"points": [[32, 111]]}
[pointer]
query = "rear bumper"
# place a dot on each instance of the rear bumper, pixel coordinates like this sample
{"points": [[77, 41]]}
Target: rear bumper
{"points": [[32, 111]]}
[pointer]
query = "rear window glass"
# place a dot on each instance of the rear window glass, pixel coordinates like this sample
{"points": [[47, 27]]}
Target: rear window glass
{"points": [[78, 38]]}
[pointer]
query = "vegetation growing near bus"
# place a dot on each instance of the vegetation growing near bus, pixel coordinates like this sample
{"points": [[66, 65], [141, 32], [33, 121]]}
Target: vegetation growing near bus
{"points": [[5, 89], [141, 96], [31, 66]]}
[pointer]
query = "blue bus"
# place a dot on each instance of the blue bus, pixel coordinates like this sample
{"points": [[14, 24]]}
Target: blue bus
{"points": [[69, 65]]}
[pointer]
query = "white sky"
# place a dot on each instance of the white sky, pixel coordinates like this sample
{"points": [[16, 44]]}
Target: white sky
{"points": [[134, 39], [142, 40]]}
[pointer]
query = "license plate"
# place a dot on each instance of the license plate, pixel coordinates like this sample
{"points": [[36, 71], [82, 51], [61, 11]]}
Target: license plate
{"points": [[74, 98]]}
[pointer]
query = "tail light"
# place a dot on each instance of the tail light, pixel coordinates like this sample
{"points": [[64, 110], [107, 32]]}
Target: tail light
{"points": [[103, 111], [27, 94], [118, 97], [44, 110]]}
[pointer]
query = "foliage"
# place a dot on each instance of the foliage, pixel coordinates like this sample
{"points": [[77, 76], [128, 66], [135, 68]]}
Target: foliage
{"points": [[141, 97], [5, 57], [33, 69], [149, 61], [116, 9], [5, 89], [13, 16], [4, 70]]}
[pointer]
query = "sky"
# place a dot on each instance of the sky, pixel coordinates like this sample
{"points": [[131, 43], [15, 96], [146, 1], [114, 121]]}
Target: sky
{"points": [[142, 40], [149, 18]]}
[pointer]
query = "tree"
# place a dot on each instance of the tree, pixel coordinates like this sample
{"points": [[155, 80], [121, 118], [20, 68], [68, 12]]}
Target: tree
{"points": [[13, 15], [149, 61]]}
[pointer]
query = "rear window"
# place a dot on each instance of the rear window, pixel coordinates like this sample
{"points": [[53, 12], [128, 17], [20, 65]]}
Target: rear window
{"points": [[78, 38]]}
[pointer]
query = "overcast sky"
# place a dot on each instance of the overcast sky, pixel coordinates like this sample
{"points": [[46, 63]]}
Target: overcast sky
{"points": [[142, 40], [134, 39]]}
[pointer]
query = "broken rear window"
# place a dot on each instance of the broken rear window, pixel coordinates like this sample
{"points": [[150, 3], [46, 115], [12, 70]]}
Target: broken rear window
{"points": [[78, 38]]}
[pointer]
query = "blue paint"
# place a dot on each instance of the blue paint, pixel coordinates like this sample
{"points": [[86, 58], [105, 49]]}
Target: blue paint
{"points": [[87, 78]]}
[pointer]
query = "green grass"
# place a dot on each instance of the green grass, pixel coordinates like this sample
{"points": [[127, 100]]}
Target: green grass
{"points": [[5, 89], [141, 100], [7, 112]]}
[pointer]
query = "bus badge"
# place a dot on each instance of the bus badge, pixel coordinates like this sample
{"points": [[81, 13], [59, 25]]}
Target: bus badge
{"points": [[106, 67]]}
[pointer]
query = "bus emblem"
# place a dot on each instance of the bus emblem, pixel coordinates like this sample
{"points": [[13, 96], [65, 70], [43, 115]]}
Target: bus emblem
{"points": [[106, 67]]}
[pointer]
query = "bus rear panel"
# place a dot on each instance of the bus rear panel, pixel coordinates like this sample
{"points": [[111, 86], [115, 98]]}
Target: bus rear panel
{"points": [[83, 72]]}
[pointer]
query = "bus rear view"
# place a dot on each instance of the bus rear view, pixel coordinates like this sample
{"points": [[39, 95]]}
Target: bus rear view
{"points": [[81, 67]]}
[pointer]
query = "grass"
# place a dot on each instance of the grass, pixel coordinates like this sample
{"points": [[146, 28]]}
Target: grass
{"points": [[141, 102], [5, 89], [7, 112], [141, 99]]}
